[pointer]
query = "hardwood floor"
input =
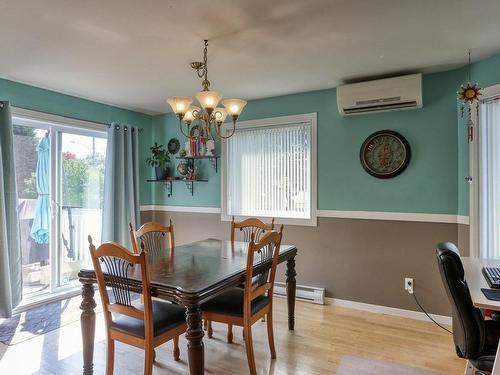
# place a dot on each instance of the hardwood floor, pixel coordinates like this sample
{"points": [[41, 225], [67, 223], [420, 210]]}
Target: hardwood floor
{"points": [[327, 340]]}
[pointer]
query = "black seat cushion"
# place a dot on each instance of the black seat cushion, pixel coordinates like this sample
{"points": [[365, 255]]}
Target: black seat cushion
{"points": [[166, 316], [231, 303]]}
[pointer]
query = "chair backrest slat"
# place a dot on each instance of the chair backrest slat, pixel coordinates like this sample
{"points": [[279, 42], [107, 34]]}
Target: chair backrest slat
{"points": [[152, 236], [117, 270], [267, 249], [249, 227], [119, 265]]}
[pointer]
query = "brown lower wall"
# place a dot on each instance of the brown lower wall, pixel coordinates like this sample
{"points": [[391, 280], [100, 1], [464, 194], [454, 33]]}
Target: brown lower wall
{"points": [[356, 260]]}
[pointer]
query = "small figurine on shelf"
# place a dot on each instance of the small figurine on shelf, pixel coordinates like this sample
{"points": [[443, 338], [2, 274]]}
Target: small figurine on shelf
{"points": [[210, 146], [202, 149], [187, 148]]}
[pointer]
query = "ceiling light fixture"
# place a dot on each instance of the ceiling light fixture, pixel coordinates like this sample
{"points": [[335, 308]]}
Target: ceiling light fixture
{"points": [[209, 117]]}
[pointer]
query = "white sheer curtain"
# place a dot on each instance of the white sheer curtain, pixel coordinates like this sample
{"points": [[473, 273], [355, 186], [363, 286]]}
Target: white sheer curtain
{"points": [[269, 171], [489, 183]]}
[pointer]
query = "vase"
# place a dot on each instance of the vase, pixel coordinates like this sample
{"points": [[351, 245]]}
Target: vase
{"points": [[161, 173]]}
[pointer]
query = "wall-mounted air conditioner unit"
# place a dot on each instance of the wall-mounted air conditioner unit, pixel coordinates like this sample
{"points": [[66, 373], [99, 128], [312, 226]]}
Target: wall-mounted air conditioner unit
{"points": [[388, 94]]}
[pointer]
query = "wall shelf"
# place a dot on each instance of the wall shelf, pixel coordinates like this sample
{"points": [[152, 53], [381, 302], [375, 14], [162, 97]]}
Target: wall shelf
{"points": [[169, 182], [214, 160]]}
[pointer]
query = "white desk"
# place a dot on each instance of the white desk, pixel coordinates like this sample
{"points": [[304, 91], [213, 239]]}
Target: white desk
{"points": [[476, 281]]}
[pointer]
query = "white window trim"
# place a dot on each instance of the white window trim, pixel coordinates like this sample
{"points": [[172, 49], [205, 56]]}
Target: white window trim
{"points": [[474, 190], [276, 121], [41, 119]]}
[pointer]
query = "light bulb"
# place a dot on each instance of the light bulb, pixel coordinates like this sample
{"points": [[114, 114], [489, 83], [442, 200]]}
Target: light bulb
{"points": [[180, 105], [208, 100], [234, 106], [190, 114], [219, 115]]}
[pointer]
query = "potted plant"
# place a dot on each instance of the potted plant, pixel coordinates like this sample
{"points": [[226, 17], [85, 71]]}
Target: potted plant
{"points": [[160, 160]]}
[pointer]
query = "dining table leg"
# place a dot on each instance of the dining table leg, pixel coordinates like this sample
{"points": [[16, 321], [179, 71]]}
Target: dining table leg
{"points": [[194, 336], [87, 322], [291, 286]]}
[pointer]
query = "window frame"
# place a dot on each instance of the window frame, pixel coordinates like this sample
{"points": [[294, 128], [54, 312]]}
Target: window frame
{"points": [[310, 118], [474, 174], [56, 125]]}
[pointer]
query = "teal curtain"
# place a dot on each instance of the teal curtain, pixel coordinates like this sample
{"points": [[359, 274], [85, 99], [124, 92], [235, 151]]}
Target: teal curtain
{"points": [[121, 184], [11, 282]]}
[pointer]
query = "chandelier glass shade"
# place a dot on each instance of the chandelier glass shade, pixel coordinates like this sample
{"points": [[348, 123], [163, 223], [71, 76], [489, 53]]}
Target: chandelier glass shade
{"points": [[208, 117]]}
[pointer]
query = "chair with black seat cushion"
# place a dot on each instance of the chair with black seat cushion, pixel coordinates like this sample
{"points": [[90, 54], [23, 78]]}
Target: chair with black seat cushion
{"points": [[146, 325], [246, 228], [152, 235], [250, 227], [245, 306], [475, 338]]}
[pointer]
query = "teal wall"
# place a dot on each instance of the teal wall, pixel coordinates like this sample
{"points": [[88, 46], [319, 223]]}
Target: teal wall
{"points": [[37, 99], [433, 183], [486, 73], [427, 186]]}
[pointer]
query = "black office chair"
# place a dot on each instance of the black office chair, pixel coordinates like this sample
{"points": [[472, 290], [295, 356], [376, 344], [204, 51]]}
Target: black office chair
{"points": [[475, 339]]}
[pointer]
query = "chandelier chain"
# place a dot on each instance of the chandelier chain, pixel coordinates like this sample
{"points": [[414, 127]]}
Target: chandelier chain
{"points": [[205, 59], [469, 66]]}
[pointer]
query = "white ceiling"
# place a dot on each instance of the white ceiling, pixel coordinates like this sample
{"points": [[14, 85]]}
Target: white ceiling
{"points": [[134, 54]]}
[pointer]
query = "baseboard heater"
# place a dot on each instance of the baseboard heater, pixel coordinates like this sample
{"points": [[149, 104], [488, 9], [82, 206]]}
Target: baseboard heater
{"points": [[304, 293]]}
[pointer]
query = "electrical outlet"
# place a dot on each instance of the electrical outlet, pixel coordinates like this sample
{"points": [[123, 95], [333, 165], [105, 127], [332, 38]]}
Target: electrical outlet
{"points": [[409, 285]]}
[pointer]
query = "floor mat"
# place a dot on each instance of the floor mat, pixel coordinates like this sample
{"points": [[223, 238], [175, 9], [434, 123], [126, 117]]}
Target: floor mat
{"points": [[39, 320]]}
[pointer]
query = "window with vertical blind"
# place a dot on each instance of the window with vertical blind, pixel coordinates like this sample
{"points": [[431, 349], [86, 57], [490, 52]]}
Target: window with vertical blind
{"points": [[270, 170], [489, 176]]}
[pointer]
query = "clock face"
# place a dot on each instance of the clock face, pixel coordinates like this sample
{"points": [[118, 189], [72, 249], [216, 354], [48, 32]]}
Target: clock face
{"points": [[385, 154]]}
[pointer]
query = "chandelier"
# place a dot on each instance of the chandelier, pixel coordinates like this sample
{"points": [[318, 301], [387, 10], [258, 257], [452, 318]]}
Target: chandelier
{"points": [[209, 118]]}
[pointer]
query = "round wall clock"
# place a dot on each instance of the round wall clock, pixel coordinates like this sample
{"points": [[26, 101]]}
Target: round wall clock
{"points": [[385, 154]]}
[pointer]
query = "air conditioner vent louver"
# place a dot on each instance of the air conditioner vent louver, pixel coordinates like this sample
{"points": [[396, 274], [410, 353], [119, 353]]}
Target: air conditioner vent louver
{"points": [[383, 100], [380, 107], [381, 95]]}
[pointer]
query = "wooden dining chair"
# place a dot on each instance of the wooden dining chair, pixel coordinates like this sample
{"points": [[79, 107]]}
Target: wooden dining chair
{"points": [[151, 234], [249, 227], [244, 307], [146, 325]]}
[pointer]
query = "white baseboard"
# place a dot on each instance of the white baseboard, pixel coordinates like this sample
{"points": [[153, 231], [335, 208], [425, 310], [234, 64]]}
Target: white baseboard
{"points": [[417, 315]]}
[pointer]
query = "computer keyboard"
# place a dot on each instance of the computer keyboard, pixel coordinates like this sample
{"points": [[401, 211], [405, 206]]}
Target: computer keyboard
{"points": [[492, 276]]}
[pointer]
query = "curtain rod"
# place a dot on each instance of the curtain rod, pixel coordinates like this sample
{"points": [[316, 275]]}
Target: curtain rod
{"points": [[72, 118]]}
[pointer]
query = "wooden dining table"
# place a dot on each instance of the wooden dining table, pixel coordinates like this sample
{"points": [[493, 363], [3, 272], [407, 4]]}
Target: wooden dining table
{"points": [[189, 275]]}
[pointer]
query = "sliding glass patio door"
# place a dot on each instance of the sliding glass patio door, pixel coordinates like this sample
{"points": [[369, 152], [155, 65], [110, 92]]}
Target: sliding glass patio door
{"points": [[80, 188], [60, 178]]}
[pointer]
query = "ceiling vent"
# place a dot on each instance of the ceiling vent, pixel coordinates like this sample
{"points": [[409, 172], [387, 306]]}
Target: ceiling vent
{"points": [[381, 95]]}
